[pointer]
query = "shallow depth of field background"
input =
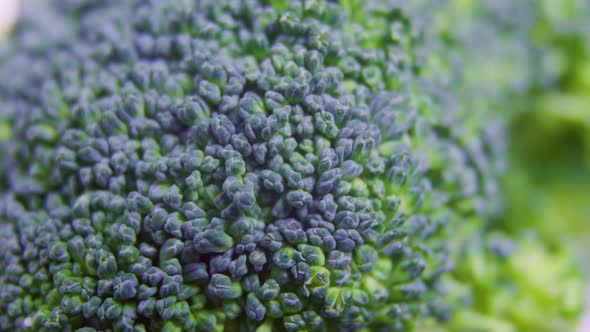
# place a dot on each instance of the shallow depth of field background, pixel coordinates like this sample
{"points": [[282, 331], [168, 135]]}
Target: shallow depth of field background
{"points": [[547, 185]]}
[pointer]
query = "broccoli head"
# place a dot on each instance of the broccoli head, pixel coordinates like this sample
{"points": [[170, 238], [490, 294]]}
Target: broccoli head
{"points": [[230, 165]]}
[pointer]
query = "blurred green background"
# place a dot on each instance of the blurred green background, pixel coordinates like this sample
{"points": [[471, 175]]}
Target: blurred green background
{"points": [[547, 186]]}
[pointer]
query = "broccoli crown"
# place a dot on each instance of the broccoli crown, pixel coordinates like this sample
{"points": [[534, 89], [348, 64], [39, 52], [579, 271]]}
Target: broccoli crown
{"points": [[229, 165]]}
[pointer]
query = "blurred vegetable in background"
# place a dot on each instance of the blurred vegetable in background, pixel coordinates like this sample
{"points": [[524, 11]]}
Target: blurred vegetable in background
{"points": [[547, 186], [509, 284]]}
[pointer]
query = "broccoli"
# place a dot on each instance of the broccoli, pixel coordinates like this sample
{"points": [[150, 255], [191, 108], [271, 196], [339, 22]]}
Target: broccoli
{"points": [[511, 283], [226, 165], [240, 165]]}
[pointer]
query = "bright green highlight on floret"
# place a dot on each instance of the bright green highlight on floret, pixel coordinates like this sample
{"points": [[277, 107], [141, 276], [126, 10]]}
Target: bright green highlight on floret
{"points": [[5, 131]]}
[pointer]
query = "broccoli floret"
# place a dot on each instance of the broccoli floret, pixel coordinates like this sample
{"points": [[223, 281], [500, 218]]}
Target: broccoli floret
{"points": [[231, 165], [512, 283]]}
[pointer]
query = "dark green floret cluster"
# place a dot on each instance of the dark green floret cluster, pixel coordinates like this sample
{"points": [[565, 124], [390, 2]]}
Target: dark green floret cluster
{"points": [[257, 165]]}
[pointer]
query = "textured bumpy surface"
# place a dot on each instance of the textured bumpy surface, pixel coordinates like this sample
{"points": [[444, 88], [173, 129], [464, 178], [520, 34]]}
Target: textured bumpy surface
{"points": [[232, 165]]}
